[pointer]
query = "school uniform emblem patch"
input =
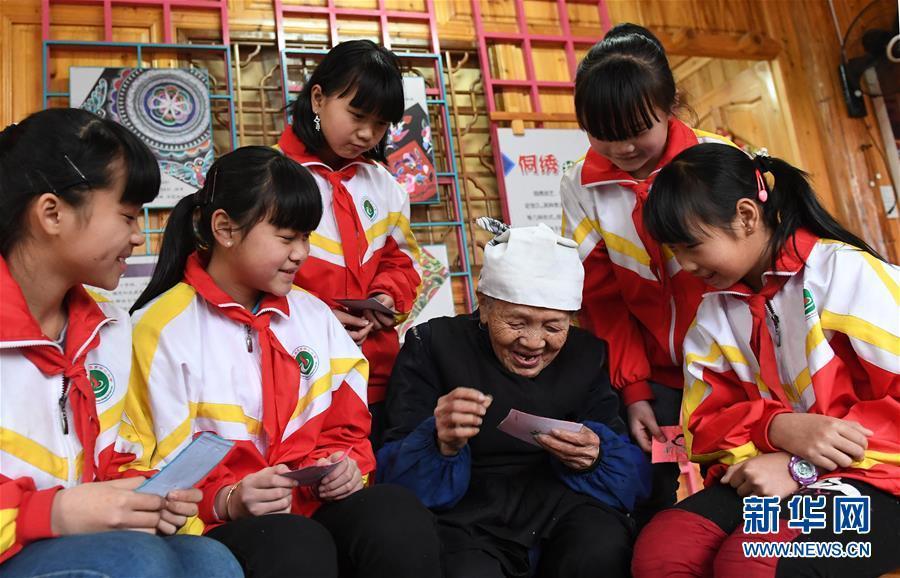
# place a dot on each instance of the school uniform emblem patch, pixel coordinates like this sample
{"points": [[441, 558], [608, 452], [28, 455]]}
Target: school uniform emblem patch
{"points": [[369, 208], [307, 360], [102, 381], [809, 306]]}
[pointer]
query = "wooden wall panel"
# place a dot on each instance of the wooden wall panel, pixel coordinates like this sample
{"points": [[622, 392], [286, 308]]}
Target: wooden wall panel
{"points": [[796, 36]]}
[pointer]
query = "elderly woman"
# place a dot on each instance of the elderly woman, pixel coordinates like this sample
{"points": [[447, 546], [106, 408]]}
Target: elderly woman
{"points": [[505, 507]]}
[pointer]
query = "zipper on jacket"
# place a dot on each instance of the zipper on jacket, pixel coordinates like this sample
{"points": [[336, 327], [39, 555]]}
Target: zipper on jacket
{"points": [[248, 339], [63, 417], [672, 352], [775, 321]]}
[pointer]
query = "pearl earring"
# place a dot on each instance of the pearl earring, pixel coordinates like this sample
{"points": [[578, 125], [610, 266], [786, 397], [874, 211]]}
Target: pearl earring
{"points": [[318, 122]]}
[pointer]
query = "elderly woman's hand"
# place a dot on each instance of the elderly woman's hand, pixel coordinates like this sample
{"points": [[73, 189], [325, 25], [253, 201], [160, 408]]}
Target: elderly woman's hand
{"points": [[577, 450], [458, 417]]}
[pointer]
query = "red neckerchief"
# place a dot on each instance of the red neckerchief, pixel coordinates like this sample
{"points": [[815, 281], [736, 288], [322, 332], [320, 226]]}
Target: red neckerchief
{"points": [[791, 259], [600, 169], [84, 317], [280, 371], [353, 234]]}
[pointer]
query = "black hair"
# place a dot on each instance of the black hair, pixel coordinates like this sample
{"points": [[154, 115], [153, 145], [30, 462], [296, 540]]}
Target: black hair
{"points": [[68, 152], [250, 184], [372, 71], [703, 184], [620, 81]]}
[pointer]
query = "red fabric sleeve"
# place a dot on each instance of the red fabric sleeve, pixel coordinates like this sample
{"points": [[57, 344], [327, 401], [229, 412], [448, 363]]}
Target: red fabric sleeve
{"points": [[31, 516], [242, 460], [728, 419], [396, 276], [605, 314], [346, 424]]}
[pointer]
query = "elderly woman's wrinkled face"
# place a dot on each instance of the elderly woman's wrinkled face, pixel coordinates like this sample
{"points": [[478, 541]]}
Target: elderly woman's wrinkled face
{"points": [[525, 339]]}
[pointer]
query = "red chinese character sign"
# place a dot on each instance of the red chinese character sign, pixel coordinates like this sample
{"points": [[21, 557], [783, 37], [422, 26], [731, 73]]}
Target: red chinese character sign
{"points": [[533, 165]]}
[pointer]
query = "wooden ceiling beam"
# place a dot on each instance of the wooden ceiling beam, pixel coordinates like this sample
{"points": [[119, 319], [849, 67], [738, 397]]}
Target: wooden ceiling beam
{"points": [[733, 45]]}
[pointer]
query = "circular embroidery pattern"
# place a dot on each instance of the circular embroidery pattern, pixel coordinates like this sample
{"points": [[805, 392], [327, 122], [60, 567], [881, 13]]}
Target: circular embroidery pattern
{"points": [[167, 109]]}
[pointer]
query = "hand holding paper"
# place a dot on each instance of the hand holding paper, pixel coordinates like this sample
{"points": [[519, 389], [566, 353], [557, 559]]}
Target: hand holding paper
{"points": [[312, 475], [370, 304], [671, 450], [190, 466], [180, 505], [524, 426], [571, 443], [382, 319], [267, 491], [344, 480]]}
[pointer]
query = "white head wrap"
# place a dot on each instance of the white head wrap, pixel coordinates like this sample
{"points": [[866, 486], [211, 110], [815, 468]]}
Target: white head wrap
{"points": [[533, 266]]}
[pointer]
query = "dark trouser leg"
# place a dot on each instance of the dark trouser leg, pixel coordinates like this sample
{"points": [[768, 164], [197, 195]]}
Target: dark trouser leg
{"points": [[663, 493], [279, 545], [379, 419], [471, 564], [383, 531], [587, 541]]}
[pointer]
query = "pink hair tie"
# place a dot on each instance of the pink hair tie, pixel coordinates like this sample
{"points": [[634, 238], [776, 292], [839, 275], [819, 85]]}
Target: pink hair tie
{"points": [[761, 193]]}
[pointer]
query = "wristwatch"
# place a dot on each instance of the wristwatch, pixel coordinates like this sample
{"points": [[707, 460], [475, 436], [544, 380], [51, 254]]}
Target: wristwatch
{"points": [[803, 471]]}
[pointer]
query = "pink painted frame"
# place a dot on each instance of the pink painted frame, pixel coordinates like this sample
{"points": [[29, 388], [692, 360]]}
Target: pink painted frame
{"points": [[527, 39]]}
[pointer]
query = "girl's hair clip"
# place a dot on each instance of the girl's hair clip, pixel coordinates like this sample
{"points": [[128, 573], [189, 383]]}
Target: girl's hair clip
{"points": [[761, 193], [207, 194], [762, 160], [77, 170]]}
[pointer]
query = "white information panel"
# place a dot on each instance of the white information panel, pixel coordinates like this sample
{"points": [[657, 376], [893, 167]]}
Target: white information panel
{"points": [[533, 164]]}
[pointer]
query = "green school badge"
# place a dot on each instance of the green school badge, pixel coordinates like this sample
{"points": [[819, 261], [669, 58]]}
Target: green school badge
{"points": [[369, 208], [809, 306], [102, 382], [307, 359]]}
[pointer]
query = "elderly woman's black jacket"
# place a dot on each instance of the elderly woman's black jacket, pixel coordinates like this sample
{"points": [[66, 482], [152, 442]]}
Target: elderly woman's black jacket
{"points": [[499, 493]]}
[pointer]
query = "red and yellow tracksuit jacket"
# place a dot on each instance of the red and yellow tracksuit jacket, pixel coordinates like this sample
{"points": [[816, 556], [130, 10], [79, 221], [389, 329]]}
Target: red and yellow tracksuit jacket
{"points": [[287, 384], [363, 246], [636, 297], [60, 406], [820, 338]]}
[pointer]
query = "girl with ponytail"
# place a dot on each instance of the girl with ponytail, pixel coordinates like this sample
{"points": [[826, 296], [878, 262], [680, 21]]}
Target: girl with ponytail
{"points": [[224, 342], [71, 189], [791, 370], [635, 296]]}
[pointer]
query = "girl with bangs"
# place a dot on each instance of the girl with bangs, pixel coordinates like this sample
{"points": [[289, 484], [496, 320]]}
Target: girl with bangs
{"points": [[364, 246], [636, 297], [71, 189], [224, 342], [792, 373]]}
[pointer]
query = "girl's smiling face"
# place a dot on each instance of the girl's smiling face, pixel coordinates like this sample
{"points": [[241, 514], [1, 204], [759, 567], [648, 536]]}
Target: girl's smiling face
{"points": [[262, 258], [723, 257], [640, 154], [348, 131], [95, 239]]}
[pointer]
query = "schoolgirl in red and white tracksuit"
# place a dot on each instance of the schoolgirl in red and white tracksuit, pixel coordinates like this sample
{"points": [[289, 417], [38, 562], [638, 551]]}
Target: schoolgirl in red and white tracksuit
{"points": [[636, 296], [60, 405], [363, 246], [286, 383], [821, 337], [834, 350]]}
